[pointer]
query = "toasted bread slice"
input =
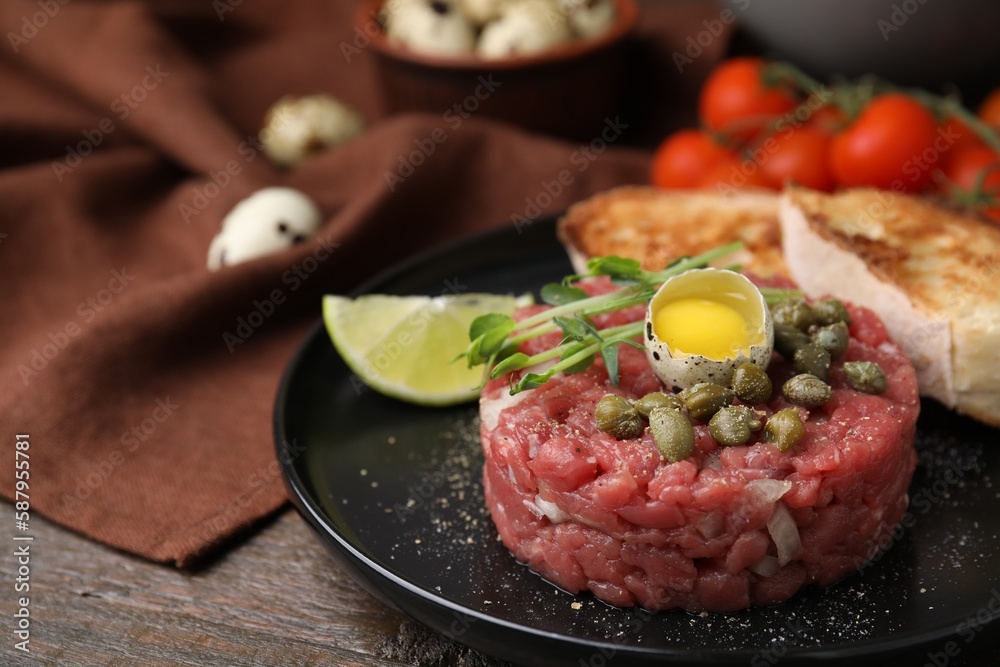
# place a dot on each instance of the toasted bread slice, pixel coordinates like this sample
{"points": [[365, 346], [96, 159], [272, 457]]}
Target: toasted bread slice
{"points": [[930, 273], [657, 226]]}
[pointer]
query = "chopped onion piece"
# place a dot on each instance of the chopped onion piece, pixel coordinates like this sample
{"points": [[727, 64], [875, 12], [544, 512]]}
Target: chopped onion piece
{"points": [[534, 443], [766, 566], [770, 490], [551, 510], [711, 525], [785, 533], [533, 508]]}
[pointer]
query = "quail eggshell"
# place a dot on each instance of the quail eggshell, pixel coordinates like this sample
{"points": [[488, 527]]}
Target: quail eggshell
{"points": [[683, 371], [267, 221], [481, 12], [589, 18], [434, 27], [295, 127], [523, 28]]}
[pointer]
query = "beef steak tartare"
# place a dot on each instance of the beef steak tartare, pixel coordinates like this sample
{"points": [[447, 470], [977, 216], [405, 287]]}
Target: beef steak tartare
{"points": [[727, 527]]}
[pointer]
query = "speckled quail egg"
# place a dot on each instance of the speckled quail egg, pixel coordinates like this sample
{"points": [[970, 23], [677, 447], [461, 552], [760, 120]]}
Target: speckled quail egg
{"points": [[434, 27], [269, 220], [589, 18], [524, 27], [482, 11], [703, 323], [296, 127]]}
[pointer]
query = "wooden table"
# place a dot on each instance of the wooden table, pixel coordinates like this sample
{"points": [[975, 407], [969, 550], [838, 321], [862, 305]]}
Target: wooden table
{"points": [[276, 599]]}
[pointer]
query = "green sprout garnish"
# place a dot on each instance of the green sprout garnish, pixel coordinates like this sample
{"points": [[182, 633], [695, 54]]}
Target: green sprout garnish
{"points": [[495, 338]]}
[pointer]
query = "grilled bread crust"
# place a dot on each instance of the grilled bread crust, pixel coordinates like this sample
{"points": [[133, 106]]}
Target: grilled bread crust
{"points": [[657, 226], [931, 273]]}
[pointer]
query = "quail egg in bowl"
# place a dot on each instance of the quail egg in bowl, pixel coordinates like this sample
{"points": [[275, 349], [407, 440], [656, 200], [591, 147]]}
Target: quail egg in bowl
{"points": [[703, 323]]}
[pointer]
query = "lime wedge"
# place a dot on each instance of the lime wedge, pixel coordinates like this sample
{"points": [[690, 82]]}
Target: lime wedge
{"points": [[405, 346]]}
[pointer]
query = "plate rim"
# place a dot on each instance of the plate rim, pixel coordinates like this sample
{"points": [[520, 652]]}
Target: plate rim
{"points": [[869, 648]]}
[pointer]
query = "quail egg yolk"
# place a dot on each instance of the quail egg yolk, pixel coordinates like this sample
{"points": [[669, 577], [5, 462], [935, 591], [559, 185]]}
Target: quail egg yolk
{"points": [[702, 327]]}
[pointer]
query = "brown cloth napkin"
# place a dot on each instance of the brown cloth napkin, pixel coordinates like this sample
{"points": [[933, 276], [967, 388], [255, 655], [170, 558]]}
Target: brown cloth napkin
{"points": [[127, 131]]}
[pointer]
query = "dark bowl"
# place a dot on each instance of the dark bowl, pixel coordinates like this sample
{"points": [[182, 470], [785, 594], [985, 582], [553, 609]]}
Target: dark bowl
{"points": [[912, 42], [569, 91]]}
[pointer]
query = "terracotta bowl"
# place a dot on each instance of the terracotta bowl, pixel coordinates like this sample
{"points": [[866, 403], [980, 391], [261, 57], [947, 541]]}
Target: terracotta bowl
{"points": [[569, 91]]}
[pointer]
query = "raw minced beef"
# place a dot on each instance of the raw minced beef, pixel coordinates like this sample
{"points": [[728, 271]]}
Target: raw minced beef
{"points": [[725, 529]]}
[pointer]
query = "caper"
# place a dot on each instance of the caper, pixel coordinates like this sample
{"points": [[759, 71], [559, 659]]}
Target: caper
{"points": [[657, 399], [814, 360], [672, 432], [833, 338], [831, 311], [787, 339], [751, 383], [733, 425], [866, 376], [806, 390], [793, 312], [784, 428], [616, 416], [705, 399]]}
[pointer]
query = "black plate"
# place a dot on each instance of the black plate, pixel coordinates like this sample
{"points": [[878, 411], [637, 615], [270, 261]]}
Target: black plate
{"points": [[394, 493]]}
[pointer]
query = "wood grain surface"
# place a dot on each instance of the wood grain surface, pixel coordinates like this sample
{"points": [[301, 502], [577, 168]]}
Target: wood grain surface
{"points": [[277, 599]]}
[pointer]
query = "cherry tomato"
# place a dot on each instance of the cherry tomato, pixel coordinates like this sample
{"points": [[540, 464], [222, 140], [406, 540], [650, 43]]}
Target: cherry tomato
{"points": [[890, 145], [735, 171], [801, 156], [989, 110], [829, 118], [958, 135], [967, 165], [684, 158], [735, 101]]}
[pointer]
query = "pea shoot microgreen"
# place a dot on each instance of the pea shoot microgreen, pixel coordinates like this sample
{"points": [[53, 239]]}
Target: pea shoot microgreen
{"points": [[495, 338]]}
